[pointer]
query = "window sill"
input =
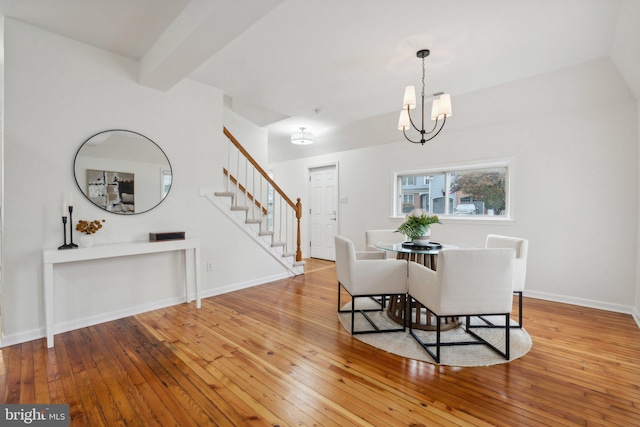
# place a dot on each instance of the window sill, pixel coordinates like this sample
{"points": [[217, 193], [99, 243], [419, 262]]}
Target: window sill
{"points": [[454, 219]]}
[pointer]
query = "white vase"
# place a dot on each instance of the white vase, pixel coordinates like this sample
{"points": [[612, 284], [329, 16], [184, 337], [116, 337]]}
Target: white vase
{"points": [[87, 240], [423, 240]]}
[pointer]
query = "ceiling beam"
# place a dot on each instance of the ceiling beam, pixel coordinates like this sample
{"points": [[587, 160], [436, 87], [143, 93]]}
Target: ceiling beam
{"points": [[180, 49]]}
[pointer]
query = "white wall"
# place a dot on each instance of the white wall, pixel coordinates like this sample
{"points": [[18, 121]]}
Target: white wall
{"points": [[58, 93], [626, 55], [572, 140], [253, 138], [637, 299]]}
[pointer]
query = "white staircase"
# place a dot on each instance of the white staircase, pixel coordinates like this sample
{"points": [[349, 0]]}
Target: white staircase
{"points": [[256, 205], [253, 228]]}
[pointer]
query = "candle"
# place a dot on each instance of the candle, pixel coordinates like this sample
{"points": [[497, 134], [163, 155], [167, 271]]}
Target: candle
{"points": [[70, 199], [64, 208]]}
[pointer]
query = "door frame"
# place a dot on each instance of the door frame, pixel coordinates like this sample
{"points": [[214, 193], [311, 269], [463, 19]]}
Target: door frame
{"points": [[310, 168]]}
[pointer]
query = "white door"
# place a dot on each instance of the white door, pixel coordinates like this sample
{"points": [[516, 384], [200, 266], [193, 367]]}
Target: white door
{"points": [[324, 215]]}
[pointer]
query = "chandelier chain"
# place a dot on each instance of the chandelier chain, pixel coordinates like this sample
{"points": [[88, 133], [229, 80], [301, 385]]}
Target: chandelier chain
{"points": [[423, 74]]}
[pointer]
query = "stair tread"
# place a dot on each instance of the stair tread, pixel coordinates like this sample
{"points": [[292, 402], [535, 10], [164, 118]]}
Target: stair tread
{"points": [[223, 194], [278, 247]]}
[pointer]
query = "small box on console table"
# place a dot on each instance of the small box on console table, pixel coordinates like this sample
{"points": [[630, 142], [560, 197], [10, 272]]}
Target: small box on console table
{"points": [[159, 237]]}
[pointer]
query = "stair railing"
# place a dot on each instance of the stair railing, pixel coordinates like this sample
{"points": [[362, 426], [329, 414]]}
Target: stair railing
{"points": [[266, 204]]}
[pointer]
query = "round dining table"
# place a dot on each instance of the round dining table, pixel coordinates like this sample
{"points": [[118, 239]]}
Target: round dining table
{"points": [[421, 317]]}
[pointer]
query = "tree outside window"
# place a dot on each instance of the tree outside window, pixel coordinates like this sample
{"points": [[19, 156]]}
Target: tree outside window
{"points": [[484, 188]]}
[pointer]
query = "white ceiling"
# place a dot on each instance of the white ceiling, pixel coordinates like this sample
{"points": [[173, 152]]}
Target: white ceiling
{"points": [[324, 63]]}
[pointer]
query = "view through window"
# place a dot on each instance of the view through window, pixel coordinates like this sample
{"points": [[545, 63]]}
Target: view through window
{"points": [[481, 191]]}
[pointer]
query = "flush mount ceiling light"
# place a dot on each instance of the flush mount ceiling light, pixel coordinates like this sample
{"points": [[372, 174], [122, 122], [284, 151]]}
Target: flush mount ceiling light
{"points": [[440, 110], [302, 137]]}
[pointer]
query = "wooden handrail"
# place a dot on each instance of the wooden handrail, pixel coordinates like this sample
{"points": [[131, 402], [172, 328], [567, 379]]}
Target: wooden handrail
{"points": [[258, 168]]}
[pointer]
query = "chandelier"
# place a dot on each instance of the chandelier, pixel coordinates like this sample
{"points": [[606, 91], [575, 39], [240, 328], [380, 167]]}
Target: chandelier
{"points": [[302, 137], [440, 109]]}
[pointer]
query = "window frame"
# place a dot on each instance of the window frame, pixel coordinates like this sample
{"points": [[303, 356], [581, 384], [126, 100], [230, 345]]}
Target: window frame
{"points": [[446, 170]]}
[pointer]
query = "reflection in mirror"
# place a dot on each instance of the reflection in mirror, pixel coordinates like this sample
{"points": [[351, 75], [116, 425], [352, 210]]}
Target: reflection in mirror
{"points": [[122, 171]]}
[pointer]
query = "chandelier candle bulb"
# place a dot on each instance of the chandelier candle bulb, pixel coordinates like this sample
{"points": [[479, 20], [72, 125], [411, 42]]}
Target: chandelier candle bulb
{"points": [[435, 110], [409, 97], [403, 122], [444, 103]]}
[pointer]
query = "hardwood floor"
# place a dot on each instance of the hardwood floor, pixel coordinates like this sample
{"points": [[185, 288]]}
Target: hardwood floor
{"points": [[277, 355]]}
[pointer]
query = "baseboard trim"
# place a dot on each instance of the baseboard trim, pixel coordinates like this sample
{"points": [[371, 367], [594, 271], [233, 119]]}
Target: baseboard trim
{"points": [[583, 302], [72, 325], [244, 285], [38, 333], [22, 337]]}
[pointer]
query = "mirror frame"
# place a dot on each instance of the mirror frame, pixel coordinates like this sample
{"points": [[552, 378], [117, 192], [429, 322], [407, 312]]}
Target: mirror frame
{"points": [[84, 193]]}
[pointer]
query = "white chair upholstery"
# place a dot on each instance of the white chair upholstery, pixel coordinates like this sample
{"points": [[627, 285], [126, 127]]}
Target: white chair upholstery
{"points": [[382, 236], [521, 246], [468, 282], [367, 278]]}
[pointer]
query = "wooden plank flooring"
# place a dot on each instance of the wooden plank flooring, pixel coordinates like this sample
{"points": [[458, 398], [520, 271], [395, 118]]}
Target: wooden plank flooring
{"points": [[276, 355]]}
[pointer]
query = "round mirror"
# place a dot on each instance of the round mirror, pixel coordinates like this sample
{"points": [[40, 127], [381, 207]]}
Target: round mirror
{"points": [[122, 171]]}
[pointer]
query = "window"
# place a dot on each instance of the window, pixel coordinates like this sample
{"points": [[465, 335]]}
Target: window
{"points": [[409, 180], [167, 180], [479, 191]]}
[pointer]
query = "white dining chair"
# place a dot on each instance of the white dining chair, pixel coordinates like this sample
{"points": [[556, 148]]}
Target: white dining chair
{"points": [[368, 278], [521, 246], [468, 283]]}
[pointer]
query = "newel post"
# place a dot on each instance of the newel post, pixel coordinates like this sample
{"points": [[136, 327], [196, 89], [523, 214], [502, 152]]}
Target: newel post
{"points": [[298, 216]]}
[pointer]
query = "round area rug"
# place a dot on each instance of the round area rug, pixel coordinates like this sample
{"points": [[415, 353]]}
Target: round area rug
{"points": [[403, 344]]}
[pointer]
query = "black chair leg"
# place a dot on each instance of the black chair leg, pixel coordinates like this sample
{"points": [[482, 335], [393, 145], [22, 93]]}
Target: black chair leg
{"points": [[364, 312], [507, 331], [353, 315], [519, 309], [468, 329], [438, 323], [489, 324]]}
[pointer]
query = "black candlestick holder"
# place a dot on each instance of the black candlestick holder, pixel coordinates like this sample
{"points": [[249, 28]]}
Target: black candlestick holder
{"points": [[72, 245], [64, 229]]}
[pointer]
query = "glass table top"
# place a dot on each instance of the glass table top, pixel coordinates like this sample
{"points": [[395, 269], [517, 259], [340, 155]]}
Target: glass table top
{"points": [[397, 247]]}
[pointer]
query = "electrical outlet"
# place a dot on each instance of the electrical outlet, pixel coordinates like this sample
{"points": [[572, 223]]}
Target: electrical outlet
{"points": [[209, 265]]}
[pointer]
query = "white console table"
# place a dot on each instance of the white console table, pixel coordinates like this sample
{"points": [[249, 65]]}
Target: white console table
{"points": [[50, 257]]}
